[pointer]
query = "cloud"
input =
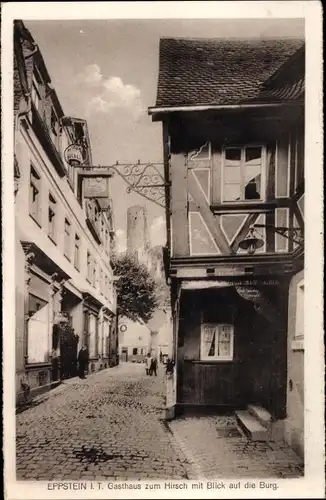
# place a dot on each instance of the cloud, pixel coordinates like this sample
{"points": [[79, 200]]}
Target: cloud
{"points": [[91, 75], [158, 231], [107, 95], [121, 241]]}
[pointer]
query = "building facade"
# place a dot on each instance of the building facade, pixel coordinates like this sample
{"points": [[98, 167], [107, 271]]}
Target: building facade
{"points": [[232, 113], [65, 295]]}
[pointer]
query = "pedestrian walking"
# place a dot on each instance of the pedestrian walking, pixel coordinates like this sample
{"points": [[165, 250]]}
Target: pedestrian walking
{"points": [[153, 368], [82, 361], [148, 363]]}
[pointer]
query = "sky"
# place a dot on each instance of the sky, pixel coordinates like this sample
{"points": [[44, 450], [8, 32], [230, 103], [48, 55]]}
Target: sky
{"points": [[105, 71]]}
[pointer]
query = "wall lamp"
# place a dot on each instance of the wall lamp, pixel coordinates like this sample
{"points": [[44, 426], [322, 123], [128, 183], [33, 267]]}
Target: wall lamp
{"points": [[252, 243]]}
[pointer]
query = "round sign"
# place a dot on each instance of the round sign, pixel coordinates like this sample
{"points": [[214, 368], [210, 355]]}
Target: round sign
{"points": [[248, 293], [74, 155], [123, 328]]}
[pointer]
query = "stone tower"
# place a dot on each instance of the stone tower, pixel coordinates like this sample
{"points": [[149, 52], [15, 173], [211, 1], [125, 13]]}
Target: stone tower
{"points": [[137, 234]]}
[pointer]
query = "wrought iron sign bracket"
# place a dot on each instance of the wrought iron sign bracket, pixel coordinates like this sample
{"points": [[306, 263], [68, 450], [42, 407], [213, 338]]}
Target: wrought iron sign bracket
{"points": [[295, 233], [145, 179]]}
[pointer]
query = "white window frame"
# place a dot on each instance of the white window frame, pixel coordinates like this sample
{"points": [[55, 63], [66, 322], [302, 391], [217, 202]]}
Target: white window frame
{"points": [[52, 228], [35, 184], [89, 265], [77, 253], [242, 161], [67, 239], [217, 327]]}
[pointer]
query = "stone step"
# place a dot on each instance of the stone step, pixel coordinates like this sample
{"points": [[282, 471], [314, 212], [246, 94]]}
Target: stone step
{"points": [[251, 426], [262, 415]]}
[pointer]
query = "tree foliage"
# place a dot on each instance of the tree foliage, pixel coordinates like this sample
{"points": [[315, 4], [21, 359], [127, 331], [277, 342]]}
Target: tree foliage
{"points": [[136, 289]]}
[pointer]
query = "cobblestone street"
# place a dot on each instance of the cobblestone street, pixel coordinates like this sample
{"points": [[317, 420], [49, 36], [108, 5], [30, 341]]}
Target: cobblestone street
{"points": [[105, 427], [216, 448], [110, 426]]}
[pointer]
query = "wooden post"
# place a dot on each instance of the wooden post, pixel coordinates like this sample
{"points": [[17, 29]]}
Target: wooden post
{"points": [[179, 206]]}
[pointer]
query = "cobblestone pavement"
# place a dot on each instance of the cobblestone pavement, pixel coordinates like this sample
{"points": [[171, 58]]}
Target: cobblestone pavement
{"points": [[105, 427], [216, 448]]}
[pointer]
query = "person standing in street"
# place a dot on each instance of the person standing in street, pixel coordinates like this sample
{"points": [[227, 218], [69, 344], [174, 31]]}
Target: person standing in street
{"points": [[153, 368], [82, 361], [148, 363]]}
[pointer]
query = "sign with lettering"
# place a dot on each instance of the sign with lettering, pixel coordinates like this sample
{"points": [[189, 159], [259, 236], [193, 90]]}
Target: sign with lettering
{"points": [[248, 293], [96, 187]]}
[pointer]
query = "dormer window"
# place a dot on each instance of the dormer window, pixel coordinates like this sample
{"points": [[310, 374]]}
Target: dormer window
{"points": [[243, 174]]}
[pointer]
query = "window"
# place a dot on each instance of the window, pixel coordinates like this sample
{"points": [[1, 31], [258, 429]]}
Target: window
{"points": [[94, 275], [242, 174], [101, 281], [35, 304], [216, 342], [89, 267], [67, 239], [52, 218], [77, 252], [36, 95], [34, 195], [135, 351]]}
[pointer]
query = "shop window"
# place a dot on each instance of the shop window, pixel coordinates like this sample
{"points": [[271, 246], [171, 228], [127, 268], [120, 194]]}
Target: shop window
{"points": [[67, 238], [35, 195], [52, 218], [216, 342], [243, 174], [35, 304], [77, 252]]}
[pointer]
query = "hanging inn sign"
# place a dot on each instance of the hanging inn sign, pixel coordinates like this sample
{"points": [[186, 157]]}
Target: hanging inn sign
{"points": [[146, 179]]}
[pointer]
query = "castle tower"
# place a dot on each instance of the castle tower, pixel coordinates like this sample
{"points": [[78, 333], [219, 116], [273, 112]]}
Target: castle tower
{"points": [[137, 234]]}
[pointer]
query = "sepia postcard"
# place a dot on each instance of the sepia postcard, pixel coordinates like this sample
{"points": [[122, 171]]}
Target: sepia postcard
{"points": [[162, 187]]}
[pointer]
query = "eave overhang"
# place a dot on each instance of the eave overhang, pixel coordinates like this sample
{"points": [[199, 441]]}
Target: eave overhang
{"points": [[158, 113]]}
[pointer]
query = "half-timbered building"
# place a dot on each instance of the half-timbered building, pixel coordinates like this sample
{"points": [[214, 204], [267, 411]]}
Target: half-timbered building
{"points": [[232, 113]]}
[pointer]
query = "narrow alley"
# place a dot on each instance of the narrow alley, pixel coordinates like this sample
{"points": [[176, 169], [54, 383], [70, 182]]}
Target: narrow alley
{"points": [[110, 426]]}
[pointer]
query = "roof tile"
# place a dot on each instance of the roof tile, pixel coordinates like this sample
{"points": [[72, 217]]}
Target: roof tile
{"points": [[194, 72]]}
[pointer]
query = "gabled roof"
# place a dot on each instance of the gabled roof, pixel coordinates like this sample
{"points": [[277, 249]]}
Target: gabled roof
{"points": [[212, 72]]}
